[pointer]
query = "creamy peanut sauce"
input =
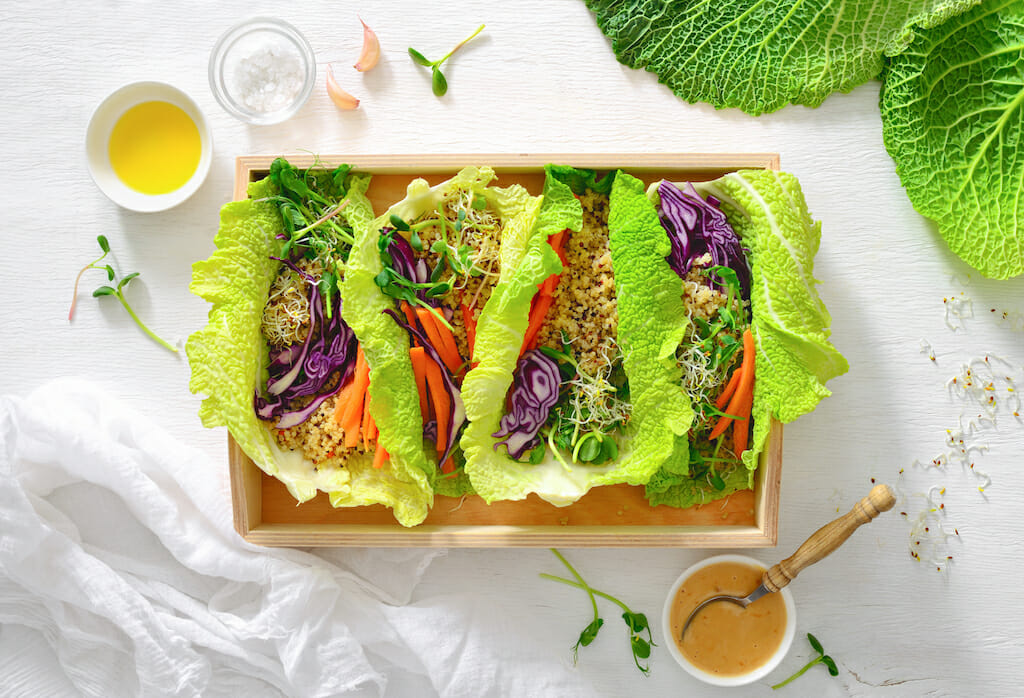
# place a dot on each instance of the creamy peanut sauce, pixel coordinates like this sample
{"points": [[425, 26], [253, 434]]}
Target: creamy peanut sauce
{"points": [[725, 639]]}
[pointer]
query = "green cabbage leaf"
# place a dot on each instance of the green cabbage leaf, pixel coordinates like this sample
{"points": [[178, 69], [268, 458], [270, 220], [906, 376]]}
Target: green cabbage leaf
{"points": [[953, 121], [760, 56]]}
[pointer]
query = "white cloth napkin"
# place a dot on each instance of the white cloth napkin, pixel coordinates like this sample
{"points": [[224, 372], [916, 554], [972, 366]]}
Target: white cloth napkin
{"points": [[116, 546]]}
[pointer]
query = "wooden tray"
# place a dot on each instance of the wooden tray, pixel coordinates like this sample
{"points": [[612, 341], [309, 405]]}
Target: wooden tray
{"points": [[266, 514]]}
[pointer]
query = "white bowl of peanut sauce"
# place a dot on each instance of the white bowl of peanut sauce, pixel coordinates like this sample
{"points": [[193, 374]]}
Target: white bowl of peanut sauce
{"points": [[727, 645]]}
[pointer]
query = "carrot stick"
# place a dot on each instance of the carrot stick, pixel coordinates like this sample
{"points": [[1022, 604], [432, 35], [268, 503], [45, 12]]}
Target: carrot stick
{"points": [[442, 405], [730, 388], [410, 314], [470, 322], [538, 313], [743, 389], [418, 355], [339, 406], [369, 425], [448, 466], [354, 409], [380, 457], [741, 429], [436, 334]]}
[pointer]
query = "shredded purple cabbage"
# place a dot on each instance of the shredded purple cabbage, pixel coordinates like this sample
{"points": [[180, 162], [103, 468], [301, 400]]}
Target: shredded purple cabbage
{"points": [[696, 227], [303, 370], [534, 392], [405, 263], [457, 412]]}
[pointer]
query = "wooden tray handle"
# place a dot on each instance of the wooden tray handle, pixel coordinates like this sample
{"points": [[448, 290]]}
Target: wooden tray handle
{"points": [[829, 537]]}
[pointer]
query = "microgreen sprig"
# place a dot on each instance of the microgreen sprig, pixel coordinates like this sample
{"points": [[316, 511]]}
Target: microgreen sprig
{"points": [[636, 622], [105, 247], [822, 658], [437, 80], [116, 291]]}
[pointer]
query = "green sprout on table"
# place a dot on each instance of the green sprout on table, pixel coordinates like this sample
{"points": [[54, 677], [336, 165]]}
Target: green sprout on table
{"points": [[822, 658], [114, 291], [636, 622], [437, 80]]}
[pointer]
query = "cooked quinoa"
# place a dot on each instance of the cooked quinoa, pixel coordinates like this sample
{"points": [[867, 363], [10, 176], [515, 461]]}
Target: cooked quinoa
{"points": [[319, 438], [702, 301], [584, 306]]}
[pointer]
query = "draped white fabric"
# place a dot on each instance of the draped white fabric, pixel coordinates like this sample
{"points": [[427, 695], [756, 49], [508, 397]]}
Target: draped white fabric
{"points": [[116, 547]]}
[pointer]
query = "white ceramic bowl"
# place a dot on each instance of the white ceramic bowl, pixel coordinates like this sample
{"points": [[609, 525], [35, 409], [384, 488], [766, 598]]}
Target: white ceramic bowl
{"points": [[97, 141], [714, 679]]}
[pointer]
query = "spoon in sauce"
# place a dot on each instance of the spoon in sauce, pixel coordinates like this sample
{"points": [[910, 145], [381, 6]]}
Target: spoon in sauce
{"points": [[821, 544]]}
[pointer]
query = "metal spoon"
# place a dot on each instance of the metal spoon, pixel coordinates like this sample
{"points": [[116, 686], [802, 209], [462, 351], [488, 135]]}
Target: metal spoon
{"points": [[822, 542]]}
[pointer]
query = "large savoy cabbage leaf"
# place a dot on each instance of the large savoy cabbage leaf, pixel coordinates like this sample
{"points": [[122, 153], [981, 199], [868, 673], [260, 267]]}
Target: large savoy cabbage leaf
{"points": [[759, 55], [953, 120]]}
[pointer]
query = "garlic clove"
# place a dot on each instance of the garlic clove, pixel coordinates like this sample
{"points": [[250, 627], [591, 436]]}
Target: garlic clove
{"points": [[371, 50], [341, 98]]}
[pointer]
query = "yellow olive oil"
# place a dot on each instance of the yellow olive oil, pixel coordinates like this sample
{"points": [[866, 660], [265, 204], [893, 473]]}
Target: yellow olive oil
{"points": [[155, 147]]}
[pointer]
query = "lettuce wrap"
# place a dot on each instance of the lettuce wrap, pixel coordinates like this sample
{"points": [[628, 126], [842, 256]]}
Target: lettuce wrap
{"points": [[263, 252], [618, 365], [441, 252], [788, 322]]}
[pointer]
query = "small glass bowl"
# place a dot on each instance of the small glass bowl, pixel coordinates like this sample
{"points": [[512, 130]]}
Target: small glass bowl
{"points": [[243, 65]]}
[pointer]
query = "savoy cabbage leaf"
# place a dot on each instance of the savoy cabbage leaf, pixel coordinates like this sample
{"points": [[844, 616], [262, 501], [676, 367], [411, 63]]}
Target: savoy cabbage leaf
{"points": [[953, 121], [759, 55]]}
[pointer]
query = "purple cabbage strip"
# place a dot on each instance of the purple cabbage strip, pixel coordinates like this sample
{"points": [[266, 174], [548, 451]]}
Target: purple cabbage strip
{"points": [[534, 392], [696, 227], [457, 416], [405, 264], [299, 371]]}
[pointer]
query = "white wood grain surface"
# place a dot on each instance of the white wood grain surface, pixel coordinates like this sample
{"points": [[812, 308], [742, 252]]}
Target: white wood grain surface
{"points": [[543, 78]]}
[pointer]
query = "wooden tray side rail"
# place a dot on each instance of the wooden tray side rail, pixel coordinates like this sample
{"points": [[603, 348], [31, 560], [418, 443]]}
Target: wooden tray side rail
{"points": [[265, 514]]}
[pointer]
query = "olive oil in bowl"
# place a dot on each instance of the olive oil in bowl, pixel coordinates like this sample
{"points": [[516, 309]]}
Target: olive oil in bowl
{"points": [[155, 147]]}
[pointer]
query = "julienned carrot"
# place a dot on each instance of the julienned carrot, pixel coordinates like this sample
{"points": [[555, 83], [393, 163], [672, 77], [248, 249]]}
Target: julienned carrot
{"points": [[353, 414], [470, 323], [448, 466], [441, 338], [410, 314], [380, 457], [744, 388], [538, 313], [730, 388], [369, 425], [418, 355], [545, 295], [741, 429], [342, 402], [439, 397]]}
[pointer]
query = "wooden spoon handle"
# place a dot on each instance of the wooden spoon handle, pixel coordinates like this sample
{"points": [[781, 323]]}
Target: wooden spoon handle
{"points": [[829, 537]]}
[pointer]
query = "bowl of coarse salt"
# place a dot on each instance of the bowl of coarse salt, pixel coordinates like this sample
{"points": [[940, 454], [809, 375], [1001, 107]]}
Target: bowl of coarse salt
{"points": [[262, 70]]}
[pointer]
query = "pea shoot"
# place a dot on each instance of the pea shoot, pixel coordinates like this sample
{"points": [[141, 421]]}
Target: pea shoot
{"points": [[438, 82], [636, 622], [115, 291], [822, 658]]}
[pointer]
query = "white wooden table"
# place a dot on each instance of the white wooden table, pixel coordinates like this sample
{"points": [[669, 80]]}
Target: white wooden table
{"points": [[543, 79]]}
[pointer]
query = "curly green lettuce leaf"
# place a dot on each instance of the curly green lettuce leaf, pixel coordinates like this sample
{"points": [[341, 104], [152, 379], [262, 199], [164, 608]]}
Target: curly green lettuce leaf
{"points": [[789, 322], [229, 355], [518, 210], [648, 309], [760, 56], [953, 121]]}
